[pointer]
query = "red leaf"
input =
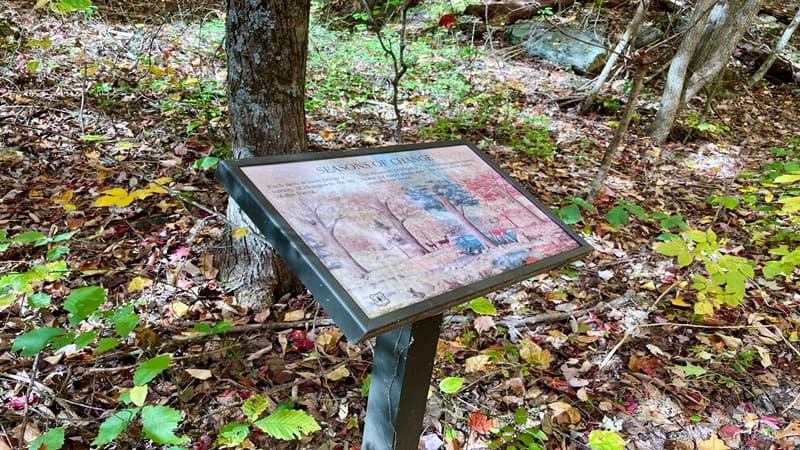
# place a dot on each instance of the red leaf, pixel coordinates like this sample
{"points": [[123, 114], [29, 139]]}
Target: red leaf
{"points": [[480, 423], [447, 21]]}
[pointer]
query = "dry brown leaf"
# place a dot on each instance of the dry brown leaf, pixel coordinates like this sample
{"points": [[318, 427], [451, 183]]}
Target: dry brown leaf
{"points": [[200, 374], [792, 430], [476, 363], [293, 316], [712, 443], [337, 374]]}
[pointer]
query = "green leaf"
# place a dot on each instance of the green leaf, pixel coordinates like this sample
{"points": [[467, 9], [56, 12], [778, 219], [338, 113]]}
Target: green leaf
{"points": [[634, 209], [521, 416], [89, 137], [672, 247], [233, 433], [124, 324], [617, 216], [52, 440], [62, 341], [691, 370], [254, 406], [451, 385], [32, 342], [55, 253], [206, 162], [158, 423], [365, 386], [106, 344], [606, 440], [288, 424], [82, 302], [85, 339], [788, 178], [730, 202], [27, 237], [583, 204], [64, 236], [150, 369], [772, 269], [39, 300], [203, 328], [684, 259], [697, 236], [570, 214], [482, 305], [114, 425]]}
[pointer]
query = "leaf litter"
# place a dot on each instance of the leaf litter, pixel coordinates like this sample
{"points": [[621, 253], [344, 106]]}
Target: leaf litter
{"points": [[727, 383]]}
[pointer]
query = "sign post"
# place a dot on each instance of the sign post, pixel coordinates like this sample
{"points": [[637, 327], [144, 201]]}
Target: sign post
{"points": [[387, 239]]}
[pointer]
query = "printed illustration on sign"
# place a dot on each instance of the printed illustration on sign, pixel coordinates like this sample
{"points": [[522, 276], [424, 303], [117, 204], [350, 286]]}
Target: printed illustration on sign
{"points": [[398, 228]]}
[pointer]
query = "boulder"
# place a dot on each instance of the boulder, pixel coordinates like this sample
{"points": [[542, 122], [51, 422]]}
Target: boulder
{"points": [[569, 46]]}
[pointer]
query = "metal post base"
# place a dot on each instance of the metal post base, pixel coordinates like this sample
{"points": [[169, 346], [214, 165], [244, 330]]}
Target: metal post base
{"points": [[401, 376]]}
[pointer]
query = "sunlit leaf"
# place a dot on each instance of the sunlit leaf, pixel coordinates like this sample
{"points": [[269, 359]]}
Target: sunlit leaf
{"points": [[287, 424], [451, 385], [138, 394], [150, 369], [254, 407], [606, 440], [233, 433], [482, 305]]}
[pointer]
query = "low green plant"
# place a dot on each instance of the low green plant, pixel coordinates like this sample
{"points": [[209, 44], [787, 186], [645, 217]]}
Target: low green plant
{"points": [[709, 129], [619, 215], [723, 278], [570, 213], [518, 435], [606, 440], [284, 423]]}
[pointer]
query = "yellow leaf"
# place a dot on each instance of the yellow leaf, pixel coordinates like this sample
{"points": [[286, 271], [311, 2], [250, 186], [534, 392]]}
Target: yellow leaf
{"points": [[768, 197], [41, 4], [790, 204], [138, 395], [704, 308], [712, 443], [63, 198], [239, 233], [788, 178], [69, 207], [138, 283], [163, 180], [476, 363], [114, 197], [124, 145], [156, 189], [678, 301], [178, 308]]}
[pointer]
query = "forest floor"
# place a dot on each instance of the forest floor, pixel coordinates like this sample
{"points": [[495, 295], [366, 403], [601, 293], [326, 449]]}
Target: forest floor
{"points": [[88, 104]]}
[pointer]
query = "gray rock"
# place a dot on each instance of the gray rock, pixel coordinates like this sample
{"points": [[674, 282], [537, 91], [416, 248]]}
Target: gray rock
{"points": [[648, 34], [565, 45]]}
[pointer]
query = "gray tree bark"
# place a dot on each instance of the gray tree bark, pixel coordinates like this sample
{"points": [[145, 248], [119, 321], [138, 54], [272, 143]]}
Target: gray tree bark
{"points": [[785, 37], [716, 27], [630, 32], [266, 45]]}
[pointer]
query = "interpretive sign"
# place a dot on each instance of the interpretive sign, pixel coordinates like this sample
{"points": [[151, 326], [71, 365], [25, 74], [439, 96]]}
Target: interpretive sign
{"points": [[387, 236], [387, 239]]}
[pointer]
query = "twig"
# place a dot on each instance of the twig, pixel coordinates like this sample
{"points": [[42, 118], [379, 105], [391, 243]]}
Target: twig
{"points": [[28, 392]]}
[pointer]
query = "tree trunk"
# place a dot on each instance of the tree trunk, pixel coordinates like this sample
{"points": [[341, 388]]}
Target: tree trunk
{"points": [[719, 25], [266, 44], [611, 151], [787, 34], [673, 89], [630, 33]]}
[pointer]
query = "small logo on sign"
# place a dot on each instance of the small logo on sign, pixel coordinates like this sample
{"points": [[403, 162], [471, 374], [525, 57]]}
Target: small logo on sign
{"points": [[379, 298]]}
